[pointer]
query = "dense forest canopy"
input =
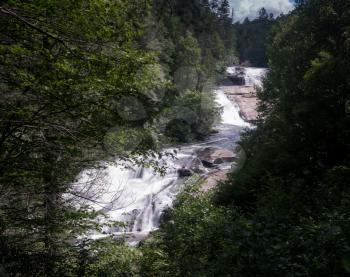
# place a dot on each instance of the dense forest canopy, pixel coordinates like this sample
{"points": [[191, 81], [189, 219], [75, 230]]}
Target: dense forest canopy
{"points": [[82, 81], [89, 80], [253, 38], [286, 212]]}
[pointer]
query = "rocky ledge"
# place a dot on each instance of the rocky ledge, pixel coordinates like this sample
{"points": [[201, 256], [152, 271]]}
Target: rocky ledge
{"points": [[245, 98], [211, 156], [218, 161], [212, 179], [236, 75], [213, 163]]}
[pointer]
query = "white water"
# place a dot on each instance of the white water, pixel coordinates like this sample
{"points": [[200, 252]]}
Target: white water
{"points": [[253, 76], [138, 196], [230, 114]]}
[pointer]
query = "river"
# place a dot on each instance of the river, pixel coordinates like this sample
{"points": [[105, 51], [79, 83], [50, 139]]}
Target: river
{"points": [[138, 196]]}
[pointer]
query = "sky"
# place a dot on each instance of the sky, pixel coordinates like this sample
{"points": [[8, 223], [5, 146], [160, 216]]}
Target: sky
{"points": [[250, 8]]}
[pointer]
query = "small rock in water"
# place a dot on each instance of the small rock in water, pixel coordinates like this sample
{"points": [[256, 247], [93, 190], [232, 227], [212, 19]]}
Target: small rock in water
{"points": [[208, 164], [237, 76], [196, 166], [218, 161], [184, 172], [211, 156]]}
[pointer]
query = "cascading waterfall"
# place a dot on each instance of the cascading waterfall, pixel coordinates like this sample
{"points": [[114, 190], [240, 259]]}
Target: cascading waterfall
{"points": [[254, 76], [230, 113], [138, 196]]}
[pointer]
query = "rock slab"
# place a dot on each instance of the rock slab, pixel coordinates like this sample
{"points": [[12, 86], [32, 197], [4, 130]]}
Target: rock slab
{"points": [[211, 156]]}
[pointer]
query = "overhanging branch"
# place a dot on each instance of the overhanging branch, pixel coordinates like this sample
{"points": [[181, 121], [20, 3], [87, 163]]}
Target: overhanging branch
{"points": [[33, 26]]}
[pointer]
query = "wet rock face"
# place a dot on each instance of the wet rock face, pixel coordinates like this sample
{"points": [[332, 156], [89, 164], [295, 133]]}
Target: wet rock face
{"points": [[213, 179], [237, 80], [212, 156], [196, 166], [184, 172], [237, 76], [190, 166]]}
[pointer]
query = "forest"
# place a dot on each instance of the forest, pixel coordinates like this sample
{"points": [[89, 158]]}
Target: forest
{"points": [[253, 38], [86, 81]]}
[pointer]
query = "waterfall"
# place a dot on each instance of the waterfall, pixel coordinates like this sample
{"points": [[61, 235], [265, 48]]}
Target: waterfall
{"points": [[230, 114], [138, 196], [254, 76]]}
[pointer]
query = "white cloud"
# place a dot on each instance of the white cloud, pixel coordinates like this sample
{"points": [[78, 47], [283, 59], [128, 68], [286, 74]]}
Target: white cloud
{"points": [[250, 8]]}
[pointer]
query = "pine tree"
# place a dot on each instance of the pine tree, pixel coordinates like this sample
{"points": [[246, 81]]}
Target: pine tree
{"points": [[224, 10]]}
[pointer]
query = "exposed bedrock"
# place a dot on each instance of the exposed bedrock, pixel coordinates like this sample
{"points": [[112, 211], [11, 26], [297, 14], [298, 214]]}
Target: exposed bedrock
{"points": [[211, 156]]}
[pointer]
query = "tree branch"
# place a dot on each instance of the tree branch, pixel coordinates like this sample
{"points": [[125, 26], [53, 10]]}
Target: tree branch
{"points": [[33, 26]]}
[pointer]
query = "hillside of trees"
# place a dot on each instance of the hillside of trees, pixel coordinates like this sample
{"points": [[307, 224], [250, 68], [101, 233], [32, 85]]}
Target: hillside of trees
{"points": [[83, 81], [287, 211], [253, 39]]}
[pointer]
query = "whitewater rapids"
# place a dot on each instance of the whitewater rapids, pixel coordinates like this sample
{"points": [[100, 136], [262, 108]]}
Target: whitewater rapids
{"points": [[138, 196]]}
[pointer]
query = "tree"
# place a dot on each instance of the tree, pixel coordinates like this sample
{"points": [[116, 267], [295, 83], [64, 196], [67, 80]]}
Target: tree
{"points": [[263, 15], [253, 38], [286, 211], [214, 5], [61, 79], [224, 10], [79, 80]]}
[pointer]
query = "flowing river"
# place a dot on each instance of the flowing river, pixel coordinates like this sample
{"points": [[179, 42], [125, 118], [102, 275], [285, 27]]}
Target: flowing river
{"points": [[138, 196]]}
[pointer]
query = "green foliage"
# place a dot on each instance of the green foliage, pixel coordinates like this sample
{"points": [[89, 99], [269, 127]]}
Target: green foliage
{"points": [[253, 39], [65, 68], [286, 211], [107, 257], [202, 105], [186, 244], [188, 52], [195, 43], [85, 81], [211, 28], [302, 139]]}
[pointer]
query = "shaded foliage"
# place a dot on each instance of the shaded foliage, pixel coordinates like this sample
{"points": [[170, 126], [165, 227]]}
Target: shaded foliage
{"points": [[84, 81], [286, 212], [253, 39]]}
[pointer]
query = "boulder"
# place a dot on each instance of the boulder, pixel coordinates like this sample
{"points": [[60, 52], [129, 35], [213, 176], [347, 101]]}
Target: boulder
{"points": [[184, 172], [196, 166], [223, 156], [208, 164], [237, 76], [237, 80], [213, 179], [212, 156]]}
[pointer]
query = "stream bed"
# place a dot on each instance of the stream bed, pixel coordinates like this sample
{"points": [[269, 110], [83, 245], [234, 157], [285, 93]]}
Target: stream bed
{"points": [[138, 196]]}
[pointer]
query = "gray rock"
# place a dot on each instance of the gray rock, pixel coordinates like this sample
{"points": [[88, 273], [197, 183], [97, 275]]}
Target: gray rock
{"points": [[208, 164], [196, 166], [212, 156], [237, 78], [184, 172]]}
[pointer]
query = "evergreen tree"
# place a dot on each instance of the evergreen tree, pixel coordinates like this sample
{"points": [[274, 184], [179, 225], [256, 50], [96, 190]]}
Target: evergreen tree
{"points": [[224, 10], [263, 14], [286, 211], [253, 39]]}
